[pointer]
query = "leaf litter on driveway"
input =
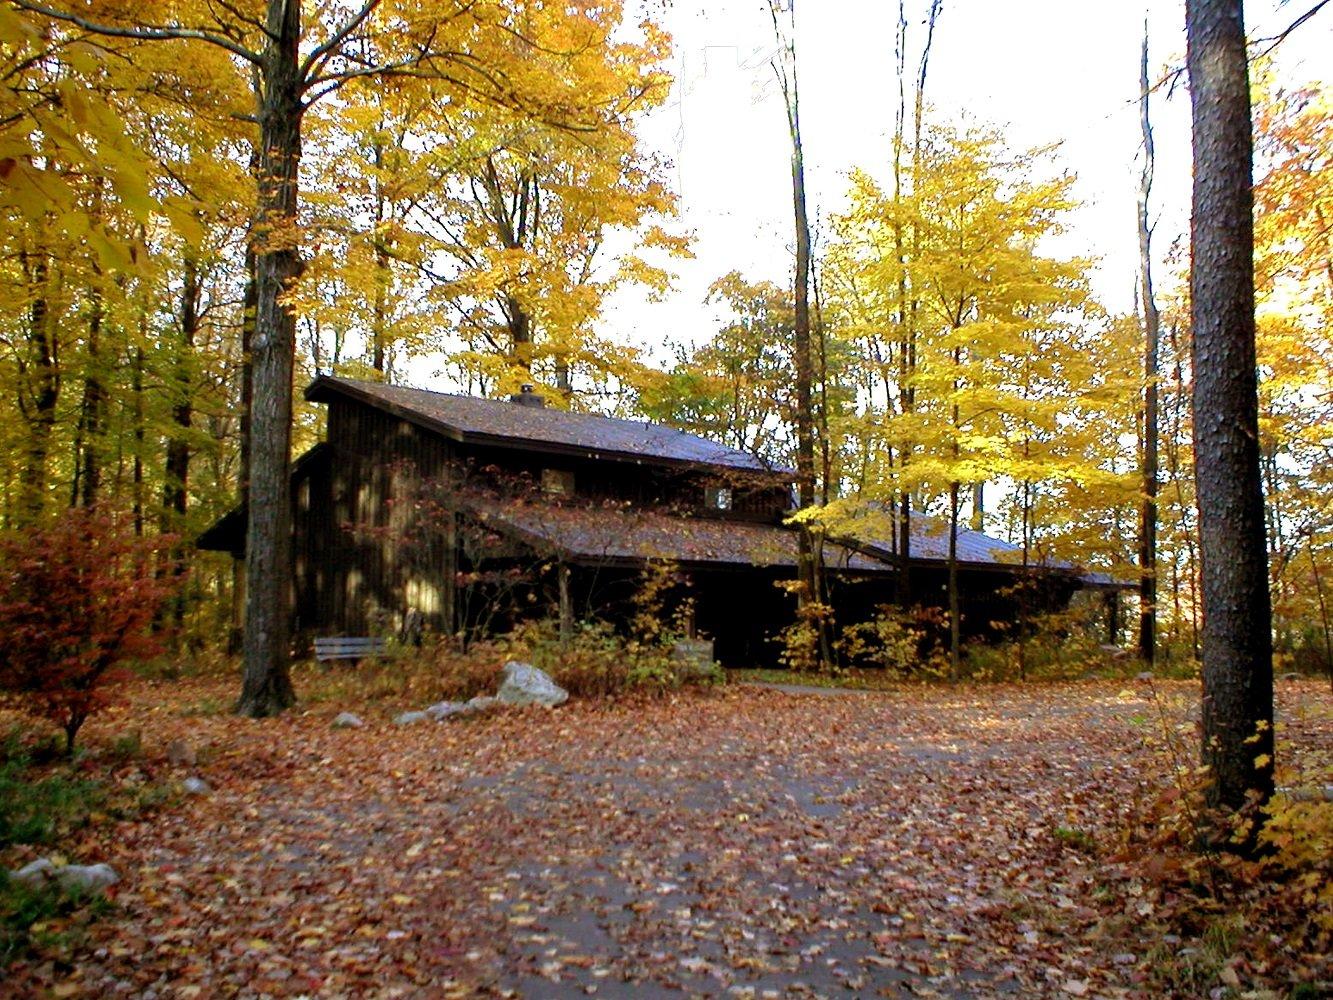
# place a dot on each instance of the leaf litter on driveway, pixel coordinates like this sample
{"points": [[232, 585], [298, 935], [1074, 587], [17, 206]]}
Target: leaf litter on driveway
{"points": [[746, 843]]}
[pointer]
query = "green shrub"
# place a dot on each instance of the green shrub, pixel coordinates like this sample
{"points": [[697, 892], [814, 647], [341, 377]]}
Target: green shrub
{"points": [[45, 916], [36, 811]]}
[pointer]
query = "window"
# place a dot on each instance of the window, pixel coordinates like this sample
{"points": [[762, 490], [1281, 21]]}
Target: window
{"points": [[717, 497], [558, 481]]}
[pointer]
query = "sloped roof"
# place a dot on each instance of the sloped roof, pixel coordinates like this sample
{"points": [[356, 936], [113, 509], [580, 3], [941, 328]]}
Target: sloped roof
{"points": [[501, 422], [930, 542], [615, 534]]}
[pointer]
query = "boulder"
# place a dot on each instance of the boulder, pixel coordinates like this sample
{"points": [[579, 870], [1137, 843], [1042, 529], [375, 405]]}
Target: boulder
{"points": [[347, 720], [84, 878], [181, 754], [525, 684], [195, 786], [410, 718]]}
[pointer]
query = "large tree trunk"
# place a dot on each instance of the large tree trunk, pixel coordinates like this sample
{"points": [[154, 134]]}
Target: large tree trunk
{"points": [[1237, 617], [1151, 327], [267, 687]]}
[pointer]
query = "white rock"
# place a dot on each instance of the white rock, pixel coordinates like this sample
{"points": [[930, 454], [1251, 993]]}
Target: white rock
{"points": [[524, 684], [481, 703], [347, 720], [195, 786], [86, 878], [409, 718]]}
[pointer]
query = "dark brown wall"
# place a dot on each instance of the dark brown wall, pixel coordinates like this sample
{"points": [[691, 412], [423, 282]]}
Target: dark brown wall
{"points": [[363, 557]]}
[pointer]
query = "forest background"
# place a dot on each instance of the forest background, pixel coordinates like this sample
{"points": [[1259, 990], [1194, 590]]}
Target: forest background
{"points": [[511, 219]]}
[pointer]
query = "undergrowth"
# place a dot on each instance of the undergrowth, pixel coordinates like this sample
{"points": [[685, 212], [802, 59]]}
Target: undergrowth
{"points": [[1239, 919], [46, 917], [593, 661]]}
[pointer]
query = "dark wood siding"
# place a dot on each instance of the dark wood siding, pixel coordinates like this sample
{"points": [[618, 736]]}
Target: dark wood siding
{"points": [[364, 556]]}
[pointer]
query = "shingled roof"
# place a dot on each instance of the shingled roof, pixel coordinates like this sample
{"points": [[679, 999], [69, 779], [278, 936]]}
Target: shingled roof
{"points": [[872, 532], [473, 420], [609, 535]]}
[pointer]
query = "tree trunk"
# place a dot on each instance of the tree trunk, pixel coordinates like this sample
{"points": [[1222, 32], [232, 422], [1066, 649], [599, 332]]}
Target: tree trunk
{"points": [[267, 687], [140, 431], [955, 625], [383, 275], [45, 390], [92, 409], [803, 359], [1237, 617], [177, 472], [1151, 328]]}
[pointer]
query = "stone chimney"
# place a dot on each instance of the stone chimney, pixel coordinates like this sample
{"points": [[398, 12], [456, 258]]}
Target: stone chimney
{"points": [[526, 397]]}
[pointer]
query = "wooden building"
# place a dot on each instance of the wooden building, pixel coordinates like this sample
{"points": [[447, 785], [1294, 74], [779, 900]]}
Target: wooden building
{"points": [[468, 513]]}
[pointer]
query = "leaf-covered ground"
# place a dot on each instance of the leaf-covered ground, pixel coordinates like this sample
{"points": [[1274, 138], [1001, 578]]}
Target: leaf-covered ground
{"points": [[744, 842]]}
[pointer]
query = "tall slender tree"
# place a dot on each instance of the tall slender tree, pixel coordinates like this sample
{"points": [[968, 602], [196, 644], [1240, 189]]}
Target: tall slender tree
{"points": [[1151, 328], [803, 369], [1237, 637]]}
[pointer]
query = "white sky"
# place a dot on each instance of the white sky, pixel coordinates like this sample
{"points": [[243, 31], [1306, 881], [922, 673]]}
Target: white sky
{"points": [[1049, 71]]}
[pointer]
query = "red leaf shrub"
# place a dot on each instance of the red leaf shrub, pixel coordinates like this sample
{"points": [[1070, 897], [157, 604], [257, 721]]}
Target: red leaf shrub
{"points": [[77, 599]]}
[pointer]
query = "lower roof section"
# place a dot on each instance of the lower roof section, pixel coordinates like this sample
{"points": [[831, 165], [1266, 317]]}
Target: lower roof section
{"points": [[613, 534]]}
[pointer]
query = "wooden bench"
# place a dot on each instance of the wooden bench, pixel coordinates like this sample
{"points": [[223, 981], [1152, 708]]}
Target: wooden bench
{"points": [[349, 647]]}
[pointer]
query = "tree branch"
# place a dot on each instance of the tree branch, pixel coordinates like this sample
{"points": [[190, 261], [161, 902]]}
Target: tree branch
{"points": [[320, 54], [143, 33]]}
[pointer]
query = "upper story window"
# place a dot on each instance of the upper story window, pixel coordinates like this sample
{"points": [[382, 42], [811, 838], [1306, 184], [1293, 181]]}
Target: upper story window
{"points": [[558, 481], [717, 497]]}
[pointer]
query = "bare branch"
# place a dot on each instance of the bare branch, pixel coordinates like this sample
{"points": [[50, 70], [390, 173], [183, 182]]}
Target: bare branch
{"points": [[1281, 36], [321, 53]]}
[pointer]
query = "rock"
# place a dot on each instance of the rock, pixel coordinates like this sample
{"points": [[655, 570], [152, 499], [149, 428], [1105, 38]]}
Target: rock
{"points": [[195, 786], [181, 754], [1145, 675], [347, 720], [1290, 677], [85, 878], [525, 684], [410, 718], [1113, 651], [1307, 793], [443, 710]]}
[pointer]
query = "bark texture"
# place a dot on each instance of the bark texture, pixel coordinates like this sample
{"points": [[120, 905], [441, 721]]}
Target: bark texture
{"points": [[1237, 638], [267, 686]]}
